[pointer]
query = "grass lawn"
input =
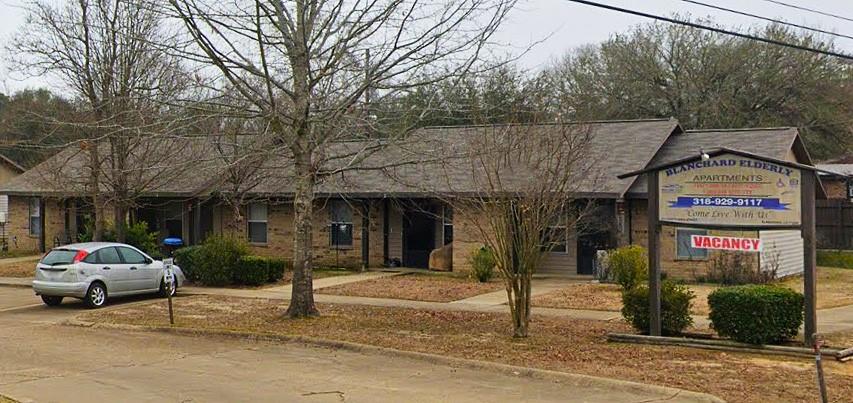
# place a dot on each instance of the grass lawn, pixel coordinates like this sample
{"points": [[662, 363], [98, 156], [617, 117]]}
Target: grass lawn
{"points": [[560, 344], [435, 287], [19, 269], [834, 289]]}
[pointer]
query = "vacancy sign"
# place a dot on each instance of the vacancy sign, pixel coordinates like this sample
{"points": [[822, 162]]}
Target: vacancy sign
{"points": [[725, 243]]}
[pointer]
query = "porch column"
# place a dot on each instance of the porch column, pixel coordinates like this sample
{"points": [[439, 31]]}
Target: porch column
{"points": [[365, 234]]}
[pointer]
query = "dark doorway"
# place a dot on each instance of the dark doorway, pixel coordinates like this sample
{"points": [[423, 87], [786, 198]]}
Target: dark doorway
{"points": [[418, 238], [588, 245]]}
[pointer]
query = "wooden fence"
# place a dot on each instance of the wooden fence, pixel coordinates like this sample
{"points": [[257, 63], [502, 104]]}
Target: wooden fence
{"points": [[834, 224]]}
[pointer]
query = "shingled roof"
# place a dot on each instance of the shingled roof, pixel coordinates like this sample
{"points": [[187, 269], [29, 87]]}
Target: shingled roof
{"points": [[412, 167], [781, 143]]}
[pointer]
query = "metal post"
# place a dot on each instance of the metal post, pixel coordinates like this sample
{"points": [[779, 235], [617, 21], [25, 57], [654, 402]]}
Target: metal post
{"points": [[821, 382], [654, 254], [809, 256]]}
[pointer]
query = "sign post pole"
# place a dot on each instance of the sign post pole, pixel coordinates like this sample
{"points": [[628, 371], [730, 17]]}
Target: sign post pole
{"points": [[654, 254], [809, 257], [169, 278]]}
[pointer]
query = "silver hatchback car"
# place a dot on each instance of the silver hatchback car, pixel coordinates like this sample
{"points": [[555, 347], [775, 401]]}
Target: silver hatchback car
{"points": [[94, 270]]}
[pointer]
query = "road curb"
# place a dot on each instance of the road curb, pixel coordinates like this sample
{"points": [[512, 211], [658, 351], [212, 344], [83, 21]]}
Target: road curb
{"points": [[535, 373]]}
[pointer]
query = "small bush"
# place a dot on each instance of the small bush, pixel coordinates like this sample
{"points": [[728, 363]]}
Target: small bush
{"points": [[736, 268], [629, 266], [756, 314], [276, 268], [675, 304], [218, 258], [187, 258], [483, 264], [835, 258], [139, 236], [251, 270]]}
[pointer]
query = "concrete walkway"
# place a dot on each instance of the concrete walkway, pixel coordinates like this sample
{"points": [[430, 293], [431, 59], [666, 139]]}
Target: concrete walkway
{"points": [[829, 320], [19, 259]]}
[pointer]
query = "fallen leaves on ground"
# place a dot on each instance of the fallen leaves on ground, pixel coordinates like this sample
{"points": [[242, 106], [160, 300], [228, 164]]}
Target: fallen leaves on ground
{"points": [[416, 287], [569, 345], [19, 269]]}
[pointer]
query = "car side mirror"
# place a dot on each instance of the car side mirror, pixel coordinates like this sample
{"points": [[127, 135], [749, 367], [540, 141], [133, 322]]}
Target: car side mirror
{"points": [[148, 260]]}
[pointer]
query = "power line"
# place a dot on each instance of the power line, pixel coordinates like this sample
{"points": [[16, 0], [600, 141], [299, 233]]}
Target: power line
{"points": [[766, 18], [713, 29], [809, 10]]}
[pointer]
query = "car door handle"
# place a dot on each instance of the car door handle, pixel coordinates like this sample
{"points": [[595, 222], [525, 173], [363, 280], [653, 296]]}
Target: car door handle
{"points": [[106, 268], [133, 268]]}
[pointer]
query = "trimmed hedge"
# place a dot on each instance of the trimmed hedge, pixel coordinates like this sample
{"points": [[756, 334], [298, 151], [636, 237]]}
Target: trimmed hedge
{"points": [[251, 270], [835, 258], [187, 258], [482, 264], [756, 314], [675, 301], [276, 268]]}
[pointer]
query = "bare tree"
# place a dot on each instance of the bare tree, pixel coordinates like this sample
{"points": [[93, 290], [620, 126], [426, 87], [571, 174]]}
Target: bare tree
{"points": [[310, 69], [110, 54], [525, 196]]}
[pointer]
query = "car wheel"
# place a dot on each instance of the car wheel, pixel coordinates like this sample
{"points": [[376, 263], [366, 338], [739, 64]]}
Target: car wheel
{"points": [[96, 297], [51, 300], [164, 290]]}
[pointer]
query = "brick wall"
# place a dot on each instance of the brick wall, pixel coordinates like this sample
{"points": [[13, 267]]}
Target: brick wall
{"points": [[18, 224], [466, 239], [280, 234], [674, 267]]}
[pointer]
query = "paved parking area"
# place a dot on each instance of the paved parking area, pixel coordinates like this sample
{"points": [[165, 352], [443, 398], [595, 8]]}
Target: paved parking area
{"points": [[43, 361]]}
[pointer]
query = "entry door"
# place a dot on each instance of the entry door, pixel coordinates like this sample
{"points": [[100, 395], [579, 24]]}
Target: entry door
{"points": [[588, 245], [418, 238]]}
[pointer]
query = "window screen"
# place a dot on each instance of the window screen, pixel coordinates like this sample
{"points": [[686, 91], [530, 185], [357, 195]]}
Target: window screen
{"points": [[340, 231], [257, 223], [683, 248]]}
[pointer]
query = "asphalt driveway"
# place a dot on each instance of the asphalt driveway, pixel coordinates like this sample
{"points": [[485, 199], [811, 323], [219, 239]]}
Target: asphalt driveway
{"points": [[43, 361]]}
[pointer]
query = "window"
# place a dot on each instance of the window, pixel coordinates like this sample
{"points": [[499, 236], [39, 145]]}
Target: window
{"points": [[340, 231], [35, 216], [257, 223], [131, 256], [555, 238], [683, 250], [108, 256], [448, 225]]}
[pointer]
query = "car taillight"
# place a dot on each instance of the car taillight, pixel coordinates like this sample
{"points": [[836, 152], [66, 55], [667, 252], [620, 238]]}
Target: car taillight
{"points": [[80, 256]]}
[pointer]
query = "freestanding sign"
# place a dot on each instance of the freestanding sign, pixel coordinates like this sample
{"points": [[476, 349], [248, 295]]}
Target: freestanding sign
{"points": [[730, 190]]}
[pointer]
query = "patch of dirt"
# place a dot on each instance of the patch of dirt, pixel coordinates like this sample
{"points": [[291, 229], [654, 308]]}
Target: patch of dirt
{"points": [[26, 269], [834, 286], [569, 345], [416, 287], [608, 297]]}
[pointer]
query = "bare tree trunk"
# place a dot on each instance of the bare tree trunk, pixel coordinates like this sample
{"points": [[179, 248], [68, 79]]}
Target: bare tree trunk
{"points": [[120, 219], [95, 184], [302, 295]]}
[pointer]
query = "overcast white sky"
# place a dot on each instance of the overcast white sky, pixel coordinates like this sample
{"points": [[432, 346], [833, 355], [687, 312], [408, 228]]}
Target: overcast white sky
{"points": [[564, 25]]}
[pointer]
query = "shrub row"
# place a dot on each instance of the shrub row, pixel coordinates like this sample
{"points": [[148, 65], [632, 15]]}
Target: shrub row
{"points": [[757, 314], [835, 258], [223, 260]]}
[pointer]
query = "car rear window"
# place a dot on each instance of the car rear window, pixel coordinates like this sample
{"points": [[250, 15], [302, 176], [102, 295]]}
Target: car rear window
{"points": [[59, 256]]}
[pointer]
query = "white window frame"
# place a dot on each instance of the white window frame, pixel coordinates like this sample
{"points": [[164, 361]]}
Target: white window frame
{"points": [[689, 256], [264, 221], [336, 225], [34, 211]]}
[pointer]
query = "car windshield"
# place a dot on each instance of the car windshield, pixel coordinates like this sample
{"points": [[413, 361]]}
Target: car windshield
{"points": [[59, 256]]}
